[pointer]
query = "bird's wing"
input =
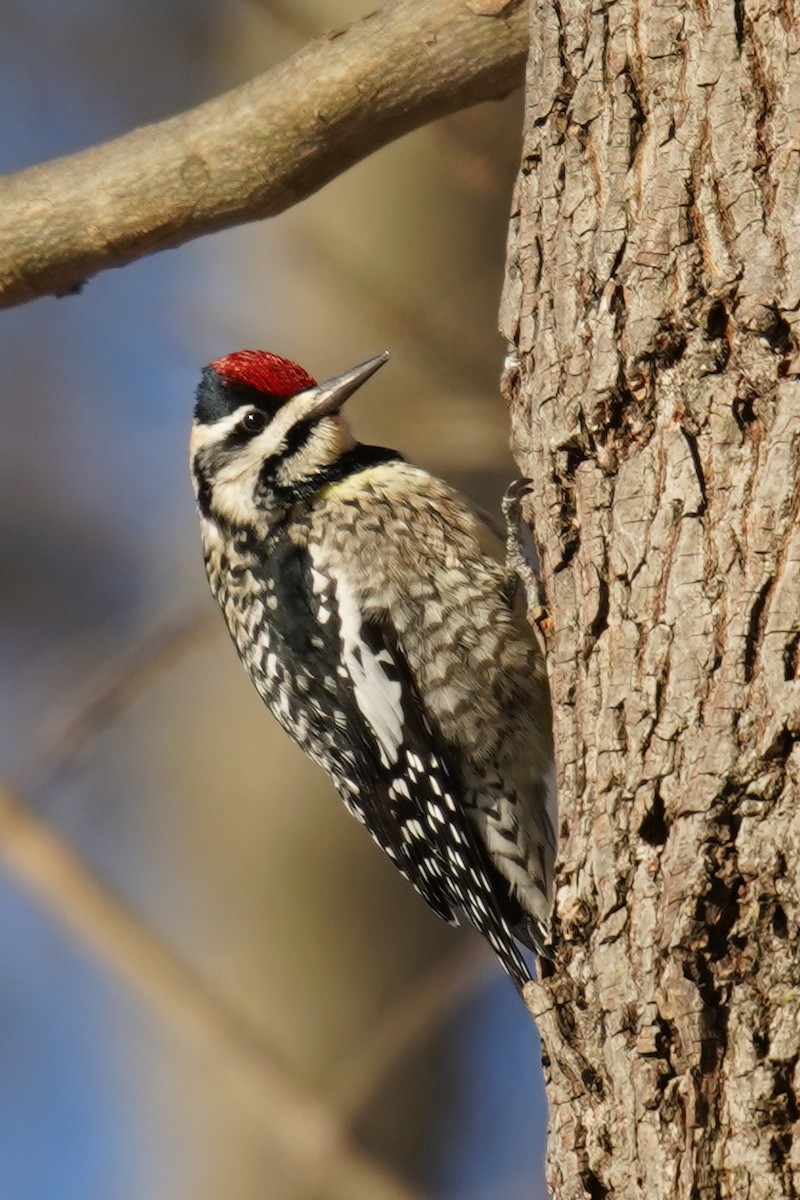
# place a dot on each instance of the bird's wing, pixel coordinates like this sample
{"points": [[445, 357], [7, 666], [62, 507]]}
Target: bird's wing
{"points": [[409, 792], [365, 722]]}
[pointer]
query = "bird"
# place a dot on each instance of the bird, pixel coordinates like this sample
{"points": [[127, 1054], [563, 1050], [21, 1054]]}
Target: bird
{"points": [[374, 609]]}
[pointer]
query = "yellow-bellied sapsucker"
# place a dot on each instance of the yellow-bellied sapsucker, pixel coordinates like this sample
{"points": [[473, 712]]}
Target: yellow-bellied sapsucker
{"points": [[372, 609]]}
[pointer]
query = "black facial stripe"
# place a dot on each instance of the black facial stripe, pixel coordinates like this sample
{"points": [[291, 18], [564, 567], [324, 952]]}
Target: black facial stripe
{"points": [[295, 439], [238, 437], [217, 399], [203, 489], [360, 458]]}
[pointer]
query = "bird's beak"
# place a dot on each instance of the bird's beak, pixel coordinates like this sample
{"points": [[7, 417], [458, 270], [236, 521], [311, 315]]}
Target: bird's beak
{"points": [[328, 397]]}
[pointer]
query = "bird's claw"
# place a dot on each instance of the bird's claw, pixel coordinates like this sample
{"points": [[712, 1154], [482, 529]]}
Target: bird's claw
{"points": [[518, 566]]}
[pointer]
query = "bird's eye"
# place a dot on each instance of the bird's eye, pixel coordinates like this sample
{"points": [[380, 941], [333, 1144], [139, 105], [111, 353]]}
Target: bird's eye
{"points": [[253, 422]]}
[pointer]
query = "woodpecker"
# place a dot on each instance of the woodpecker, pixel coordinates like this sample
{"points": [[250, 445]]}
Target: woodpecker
{"points": [[372, 607]]}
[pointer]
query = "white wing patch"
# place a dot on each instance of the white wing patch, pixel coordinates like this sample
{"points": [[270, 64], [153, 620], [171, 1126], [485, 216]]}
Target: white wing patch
{"points": [[418, 820], [379, 696]]}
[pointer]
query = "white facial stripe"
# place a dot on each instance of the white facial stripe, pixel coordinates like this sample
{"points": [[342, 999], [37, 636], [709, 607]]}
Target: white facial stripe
{"points": [[207, 437], [235, 473], [327, 439]]}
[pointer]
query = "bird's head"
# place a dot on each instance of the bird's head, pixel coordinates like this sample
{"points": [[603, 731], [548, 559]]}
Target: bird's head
{"points": [[265, 432]]}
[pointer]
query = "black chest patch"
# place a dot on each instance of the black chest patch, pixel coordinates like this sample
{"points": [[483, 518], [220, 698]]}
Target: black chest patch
{"points": [[286, 573]]}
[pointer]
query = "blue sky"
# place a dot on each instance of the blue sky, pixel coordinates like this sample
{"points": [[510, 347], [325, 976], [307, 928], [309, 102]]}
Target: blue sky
{"points": [[97, 542]]}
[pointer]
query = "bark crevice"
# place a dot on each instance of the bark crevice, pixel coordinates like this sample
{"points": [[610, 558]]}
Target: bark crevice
{"points": [[652, 306]]}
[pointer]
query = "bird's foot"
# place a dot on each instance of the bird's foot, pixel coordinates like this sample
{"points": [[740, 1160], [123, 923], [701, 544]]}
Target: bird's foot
{"points": [[518, 564]]}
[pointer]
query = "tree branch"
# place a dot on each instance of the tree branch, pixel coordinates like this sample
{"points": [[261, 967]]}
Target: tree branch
{"points": [[258, 149], [111, 690], [313, 1138], [406, 1023]]}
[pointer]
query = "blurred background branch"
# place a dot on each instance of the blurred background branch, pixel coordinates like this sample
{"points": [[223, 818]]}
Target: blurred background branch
{"points": [[410, 1020], [112, 688], [258, 149], [306, 1129], [191, 928]]}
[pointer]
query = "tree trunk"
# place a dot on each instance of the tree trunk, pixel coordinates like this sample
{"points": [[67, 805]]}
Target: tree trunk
{"points": [[651, 304]]}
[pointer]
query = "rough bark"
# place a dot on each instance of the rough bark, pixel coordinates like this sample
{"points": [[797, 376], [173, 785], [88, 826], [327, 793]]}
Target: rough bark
{"points": [[651, 304]]}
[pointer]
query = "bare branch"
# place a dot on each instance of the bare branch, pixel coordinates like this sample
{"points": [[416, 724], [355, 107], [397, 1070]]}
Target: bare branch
{"points": [[258, 149], [114, 688], [413, 1017], [309, 1134]]}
